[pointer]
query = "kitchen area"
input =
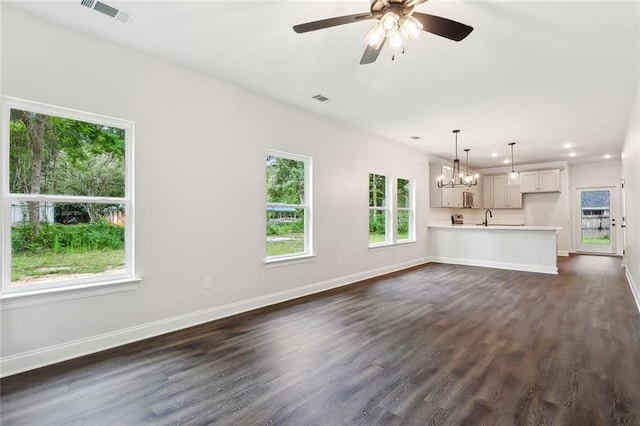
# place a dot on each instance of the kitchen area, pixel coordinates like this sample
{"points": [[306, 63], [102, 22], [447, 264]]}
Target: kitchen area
{"points": [[484, 219]]}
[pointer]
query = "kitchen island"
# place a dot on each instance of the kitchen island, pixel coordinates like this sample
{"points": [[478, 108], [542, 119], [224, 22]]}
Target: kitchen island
{"points": [[516, 247]]}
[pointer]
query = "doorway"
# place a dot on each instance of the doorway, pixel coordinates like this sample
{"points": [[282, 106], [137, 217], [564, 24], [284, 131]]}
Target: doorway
{"points": [[595, 224]]}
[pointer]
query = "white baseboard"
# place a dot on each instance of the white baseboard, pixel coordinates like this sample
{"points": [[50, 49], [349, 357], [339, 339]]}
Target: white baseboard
{"points": [[25, 361], [498, 265], [564, 253], [634, 288]]}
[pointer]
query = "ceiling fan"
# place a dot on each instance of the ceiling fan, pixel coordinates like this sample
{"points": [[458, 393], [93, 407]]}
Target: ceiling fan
{"points": [[397, 22]]}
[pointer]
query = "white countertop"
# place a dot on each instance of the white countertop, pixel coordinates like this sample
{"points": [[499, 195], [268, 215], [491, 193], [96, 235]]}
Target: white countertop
{"points": [[513, 227]]}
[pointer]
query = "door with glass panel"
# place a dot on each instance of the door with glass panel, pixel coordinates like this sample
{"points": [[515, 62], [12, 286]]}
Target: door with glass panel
{"points": [[596, 225]]}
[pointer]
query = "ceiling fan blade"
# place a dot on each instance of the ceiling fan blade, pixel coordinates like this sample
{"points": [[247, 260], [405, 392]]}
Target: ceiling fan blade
{"points": [[370, 54], [442, 26], [414, 3], [331, 22]]}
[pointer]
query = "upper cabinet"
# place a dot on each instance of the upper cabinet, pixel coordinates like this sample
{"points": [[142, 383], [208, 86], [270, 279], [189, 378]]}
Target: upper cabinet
{"points": [[540, 181], [497, 194]]}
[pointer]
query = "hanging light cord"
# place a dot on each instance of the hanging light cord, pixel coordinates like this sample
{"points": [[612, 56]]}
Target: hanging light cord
{"points": [[512, 144]]}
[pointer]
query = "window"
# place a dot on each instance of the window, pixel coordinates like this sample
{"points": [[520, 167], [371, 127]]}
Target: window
{"points": [[390, 222], [379, 212], [404, 211], [288, 227], [67, 216]]}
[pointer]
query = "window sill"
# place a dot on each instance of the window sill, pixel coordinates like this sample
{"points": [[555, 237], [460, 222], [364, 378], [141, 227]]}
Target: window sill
{"points": [[391, 245], [53, 295], [289, 260]]}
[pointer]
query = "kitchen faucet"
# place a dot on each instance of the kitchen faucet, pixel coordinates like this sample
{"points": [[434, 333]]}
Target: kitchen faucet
{"points": [[486, 222]]}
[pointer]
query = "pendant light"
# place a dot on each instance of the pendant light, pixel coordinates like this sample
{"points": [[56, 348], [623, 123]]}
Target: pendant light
{"points": [[470, 180], [458, 180], [514, 177]]}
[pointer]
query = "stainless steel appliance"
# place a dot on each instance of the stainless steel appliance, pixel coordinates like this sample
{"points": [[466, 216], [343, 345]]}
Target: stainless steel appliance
{"points": [[467, 199]]}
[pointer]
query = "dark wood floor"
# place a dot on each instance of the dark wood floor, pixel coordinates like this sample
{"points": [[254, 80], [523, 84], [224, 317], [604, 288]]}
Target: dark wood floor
{"points": [[439, 344]]}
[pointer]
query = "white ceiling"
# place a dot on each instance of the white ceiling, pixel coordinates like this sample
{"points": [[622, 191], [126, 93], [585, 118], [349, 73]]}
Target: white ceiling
{"points": [[538, 73]]}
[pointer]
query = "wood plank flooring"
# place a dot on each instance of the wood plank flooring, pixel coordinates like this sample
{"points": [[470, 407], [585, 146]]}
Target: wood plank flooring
{"points": [[438, 344]]}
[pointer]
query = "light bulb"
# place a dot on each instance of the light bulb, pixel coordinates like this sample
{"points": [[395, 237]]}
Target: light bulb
{"points": [[396, 41], [389, 22], [513, 178], [410, 27], [441, 178], [375, 36]]}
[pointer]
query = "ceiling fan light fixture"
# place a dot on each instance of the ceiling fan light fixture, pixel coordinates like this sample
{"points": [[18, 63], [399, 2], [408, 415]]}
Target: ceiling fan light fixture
{"points": [[375, 36], [396, 41], [389, 22], [410, 27], [390, 17]]}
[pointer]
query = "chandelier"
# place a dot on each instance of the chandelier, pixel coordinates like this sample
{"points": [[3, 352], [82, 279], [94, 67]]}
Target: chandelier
{"points": [[397, 29], [458, 179]]}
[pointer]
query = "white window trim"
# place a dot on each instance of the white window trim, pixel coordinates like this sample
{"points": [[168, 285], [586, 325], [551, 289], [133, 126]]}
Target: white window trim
{"points": [[51, 291], [391, 210], [388, 213], [307, 205], [411, 237], [60, 294]]}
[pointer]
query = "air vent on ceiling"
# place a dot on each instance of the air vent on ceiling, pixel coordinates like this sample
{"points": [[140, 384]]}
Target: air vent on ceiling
{"points": [[320, 98], [117, 14], [415, 138]]}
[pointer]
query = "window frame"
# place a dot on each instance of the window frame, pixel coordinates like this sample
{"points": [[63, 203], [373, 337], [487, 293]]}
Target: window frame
{"points": [[98, 281], [391, 210], [307, 207], [386, 209], [411, 235]]}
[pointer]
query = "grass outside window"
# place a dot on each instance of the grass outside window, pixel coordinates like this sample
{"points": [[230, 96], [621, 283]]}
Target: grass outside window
{"points": [[27, 267]]}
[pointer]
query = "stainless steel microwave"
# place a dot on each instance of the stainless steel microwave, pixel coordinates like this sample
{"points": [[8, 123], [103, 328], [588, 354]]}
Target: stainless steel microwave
{"points": [[467, 199]]}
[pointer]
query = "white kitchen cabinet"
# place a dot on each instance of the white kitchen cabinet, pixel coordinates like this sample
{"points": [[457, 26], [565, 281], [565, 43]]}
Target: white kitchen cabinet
{"points": [[444, 197], [487, 192], [452, 197], [540, 181], [497, 194]]}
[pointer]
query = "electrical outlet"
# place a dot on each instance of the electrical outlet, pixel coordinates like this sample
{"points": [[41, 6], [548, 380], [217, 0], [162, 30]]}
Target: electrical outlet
{"points": [[207, 283]]}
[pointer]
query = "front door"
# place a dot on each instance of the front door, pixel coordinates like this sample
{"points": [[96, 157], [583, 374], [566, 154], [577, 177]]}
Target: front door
{"points": [[595, 225]]}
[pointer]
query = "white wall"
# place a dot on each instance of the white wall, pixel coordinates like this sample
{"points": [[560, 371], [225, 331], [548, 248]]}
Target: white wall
{"points": [[602, 173], [631, 175], [199, 143]]}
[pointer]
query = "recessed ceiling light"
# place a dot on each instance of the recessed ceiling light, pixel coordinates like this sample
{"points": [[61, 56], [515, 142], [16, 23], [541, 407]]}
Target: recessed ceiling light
{"points": [[607, 156], [494, 154], [567, 146], [506, 161], [572, 154]]}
